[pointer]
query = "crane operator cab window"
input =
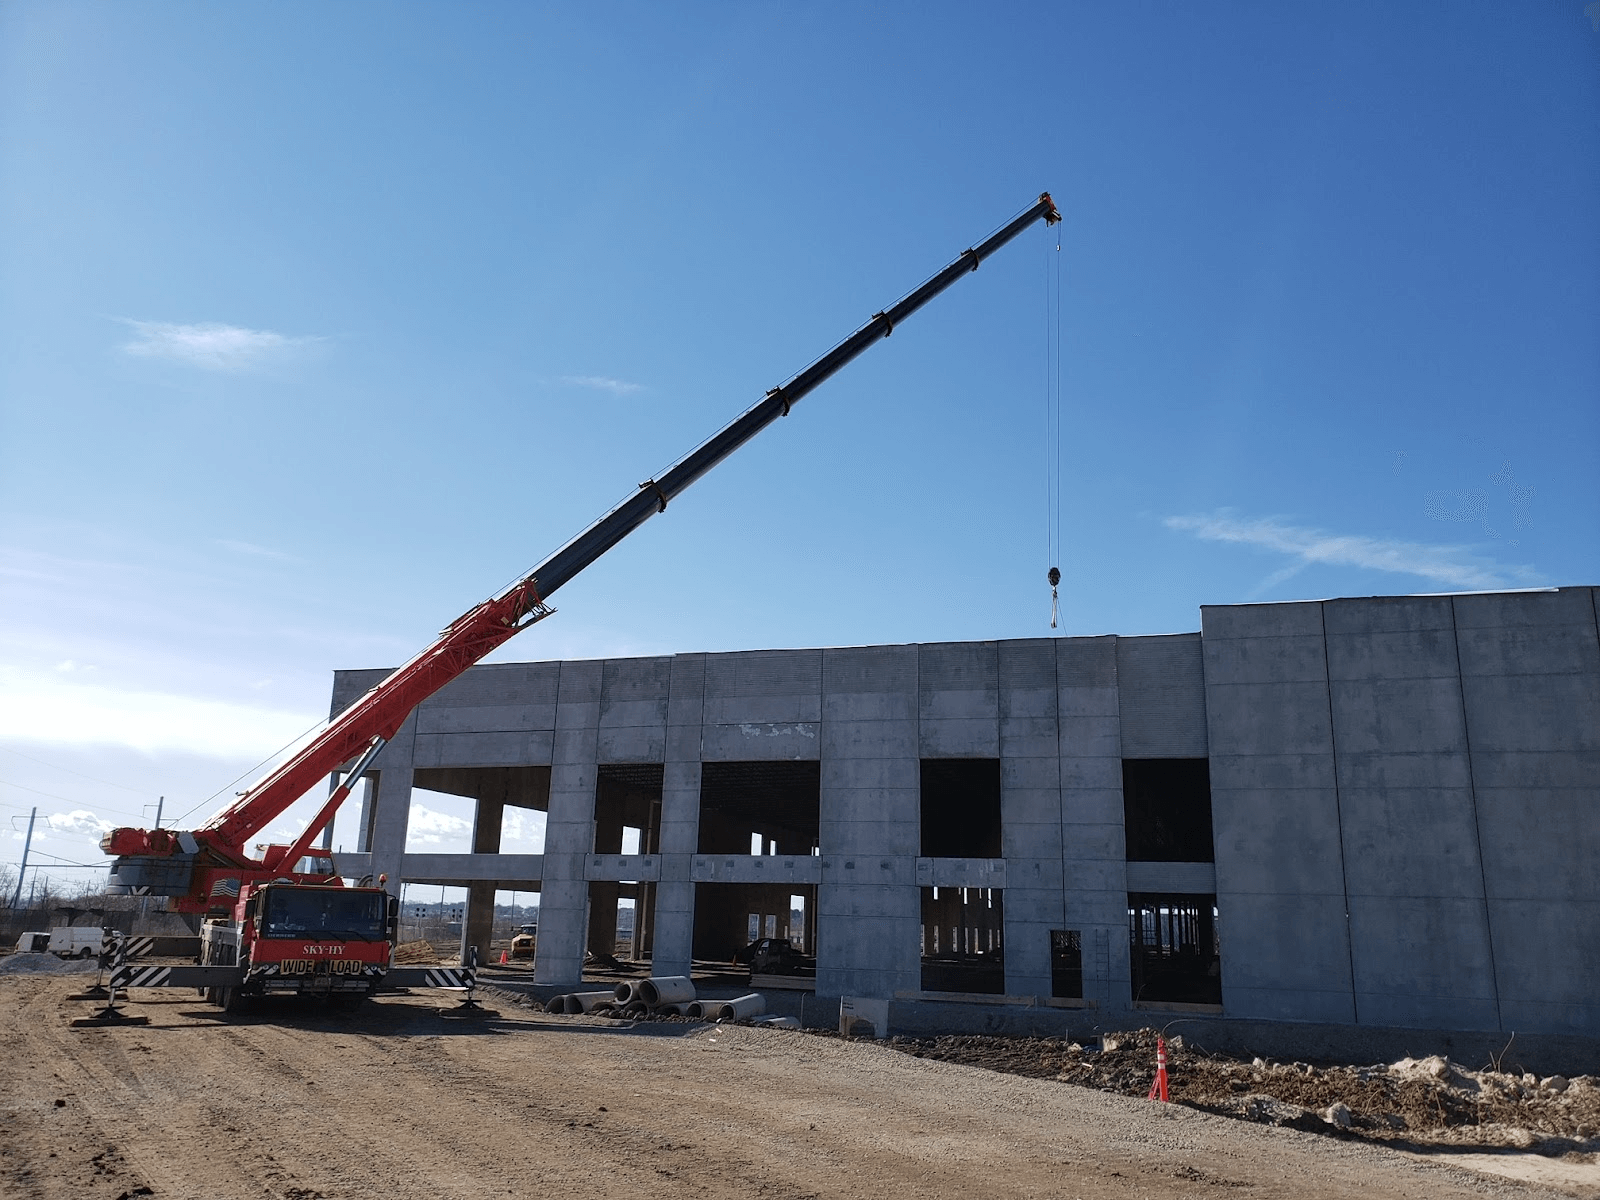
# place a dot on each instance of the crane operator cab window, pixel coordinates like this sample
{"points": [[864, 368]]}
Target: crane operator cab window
{"points": [[324, 913]]}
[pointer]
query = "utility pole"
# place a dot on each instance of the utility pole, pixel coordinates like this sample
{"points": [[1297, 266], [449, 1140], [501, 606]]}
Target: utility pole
{"points": [[23, 870]]}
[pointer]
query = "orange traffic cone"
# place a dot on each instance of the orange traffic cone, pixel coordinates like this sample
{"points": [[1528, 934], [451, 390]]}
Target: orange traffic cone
{"points": [[1158, 1088], [504, 958]]}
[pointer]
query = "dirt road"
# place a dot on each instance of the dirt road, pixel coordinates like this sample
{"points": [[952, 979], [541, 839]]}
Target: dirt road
{"points": [[399, 1102]]}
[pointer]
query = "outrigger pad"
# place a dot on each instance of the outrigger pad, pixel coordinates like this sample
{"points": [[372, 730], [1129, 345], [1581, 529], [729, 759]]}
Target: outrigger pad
{"points": [[108, 1016], [474, 1011]]}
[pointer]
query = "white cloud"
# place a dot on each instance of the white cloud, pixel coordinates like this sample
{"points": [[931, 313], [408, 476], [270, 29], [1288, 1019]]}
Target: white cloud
{"points": [[432, 828], [1449, 566], [601, 383], [54, 710], [213, 346], [79, 820]]}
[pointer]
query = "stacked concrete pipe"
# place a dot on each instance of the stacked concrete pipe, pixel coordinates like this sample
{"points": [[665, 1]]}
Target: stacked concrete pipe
{"points": [[668, 989], [752, 1005], [582, 1002]]}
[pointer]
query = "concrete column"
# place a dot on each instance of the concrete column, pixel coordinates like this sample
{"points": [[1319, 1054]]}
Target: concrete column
{"points": [[1030, 805], [569, 833], [478, 929], [868, 903], [1093, 843], [391, 803], [672, 915]]}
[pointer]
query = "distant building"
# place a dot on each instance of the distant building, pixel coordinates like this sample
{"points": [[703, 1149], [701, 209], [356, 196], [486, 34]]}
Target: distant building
{"points": [[1376, 812]]}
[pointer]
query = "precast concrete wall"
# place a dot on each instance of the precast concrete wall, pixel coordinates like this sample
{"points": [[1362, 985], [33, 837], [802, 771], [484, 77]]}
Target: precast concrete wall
{"points": [[1403, 801]]}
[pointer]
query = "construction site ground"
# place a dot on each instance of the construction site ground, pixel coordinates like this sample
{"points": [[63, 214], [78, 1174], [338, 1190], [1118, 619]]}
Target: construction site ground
{"points": [[399, 1099]]}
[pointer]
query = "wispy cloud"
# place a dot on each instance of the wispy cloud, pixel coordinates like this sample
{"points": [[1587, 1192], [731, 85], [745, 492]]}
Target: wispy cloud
{"points": [[52, 709], [602, 383], [1449, 566], [213, 346]]}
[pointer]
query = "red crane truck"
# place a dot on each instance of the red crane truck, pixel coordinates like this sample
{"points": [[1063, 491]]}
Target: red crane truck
{"points": [[275, 924]]}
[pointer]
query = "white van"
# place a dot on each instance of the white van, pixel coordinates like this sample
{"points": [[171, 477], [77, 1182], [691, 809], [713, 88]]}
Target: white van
{"points": [[69, 941], [75, 941]]}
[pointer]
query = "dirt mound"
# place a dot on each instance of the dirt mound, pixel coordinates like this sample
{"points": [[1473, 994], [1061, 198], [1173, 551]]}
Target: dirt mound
{"points": [[416, 954], [1427, 1101]]}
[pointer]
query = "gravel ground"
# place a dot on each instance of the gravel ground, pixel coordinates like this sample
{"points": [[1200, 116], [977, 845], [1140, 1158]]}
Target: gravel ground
{"points": [[398, 1100]]}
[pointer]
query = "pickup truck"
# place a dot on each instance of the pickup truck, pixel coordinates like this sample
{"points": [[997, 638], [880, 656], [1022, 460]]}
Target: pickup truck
{"points": [[771, 956]]}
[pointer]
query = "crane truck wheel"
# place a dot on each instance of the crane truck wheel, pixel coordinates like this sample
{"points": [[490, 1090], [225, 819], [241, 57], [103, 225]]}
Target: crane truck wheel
{"points": [[232, 1000]]}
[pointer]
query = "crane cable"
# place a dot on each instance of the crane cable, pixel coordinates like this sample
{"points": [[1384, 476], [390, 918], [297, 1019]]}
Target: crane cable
{"points": [[1052, 420]]}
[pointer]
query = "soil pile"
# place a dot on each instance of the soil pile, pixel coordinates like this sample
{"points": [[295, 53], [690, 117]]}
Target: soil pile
{"points": [[1429, 1101], [418, 953]]}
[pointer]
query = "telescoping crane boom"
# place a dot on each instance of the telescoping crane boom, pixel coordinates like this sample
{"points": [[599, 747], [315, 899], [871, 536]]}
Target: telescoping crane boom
{"points": [[204, 870]]}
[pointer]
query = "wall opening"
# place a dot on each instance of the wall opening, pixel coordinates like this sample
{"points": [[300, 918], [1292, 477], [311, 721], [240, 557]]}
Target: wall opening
{"points": [[963, 940], [730, 918], [1173, 949], [627, 820], [961, 808], [507, 818], [760, 808], [1066, 964], [1166, 806], [619, 924]]}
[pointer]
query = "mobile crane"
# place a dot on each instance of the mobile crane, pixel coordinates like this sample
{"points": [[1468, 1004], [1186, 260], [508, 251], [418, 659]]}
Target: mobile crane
{"points": [[272, 926]]}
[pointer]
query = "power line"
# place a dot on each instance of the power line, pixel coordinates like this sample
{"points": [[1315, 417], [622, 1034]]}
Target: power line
{"points": [[70, 771], [66, 799]]}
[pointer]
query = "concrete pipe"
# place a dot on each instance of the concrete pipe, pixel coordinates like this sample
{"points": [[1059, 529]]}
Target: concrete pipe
{"points": [[752, 1005], [702, 1010], [669, 989], [626, 992], [582, 1002], [556, 1004]]}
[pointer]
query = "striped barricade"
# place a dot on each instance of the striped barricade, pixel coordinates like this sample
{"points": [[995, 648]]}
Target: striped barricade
{"points": [[430, 977], [129, 976]]}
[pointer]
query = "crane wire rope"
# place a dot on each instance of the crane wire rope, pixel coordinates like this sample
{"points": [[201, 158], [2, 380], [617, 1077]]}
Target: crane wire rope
{"points": [[1052, 420], [248, 772]]}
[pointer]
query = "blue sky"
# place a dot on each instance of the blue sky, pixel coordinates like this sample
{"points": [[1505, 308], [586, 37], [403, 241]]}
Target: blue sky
{"points": [[319, 323]]}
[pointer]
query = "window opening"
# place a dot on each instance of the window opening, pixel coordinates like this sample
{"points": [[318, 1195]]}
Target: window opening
{"points": [[961, 808], [1066, 964], [1166, 806], [753, 808], [1174, 954], [963, 940]]}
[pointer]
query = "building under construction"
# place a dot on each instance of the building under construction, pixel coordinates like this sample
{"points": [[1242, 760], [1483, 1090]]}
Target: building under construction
{"points": [[1377, 812]]}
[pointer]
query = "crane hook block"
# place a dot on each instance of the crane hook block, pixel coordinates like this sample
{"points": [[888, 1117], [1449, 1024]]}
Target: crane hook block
{"points": [[1054, 576]]}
